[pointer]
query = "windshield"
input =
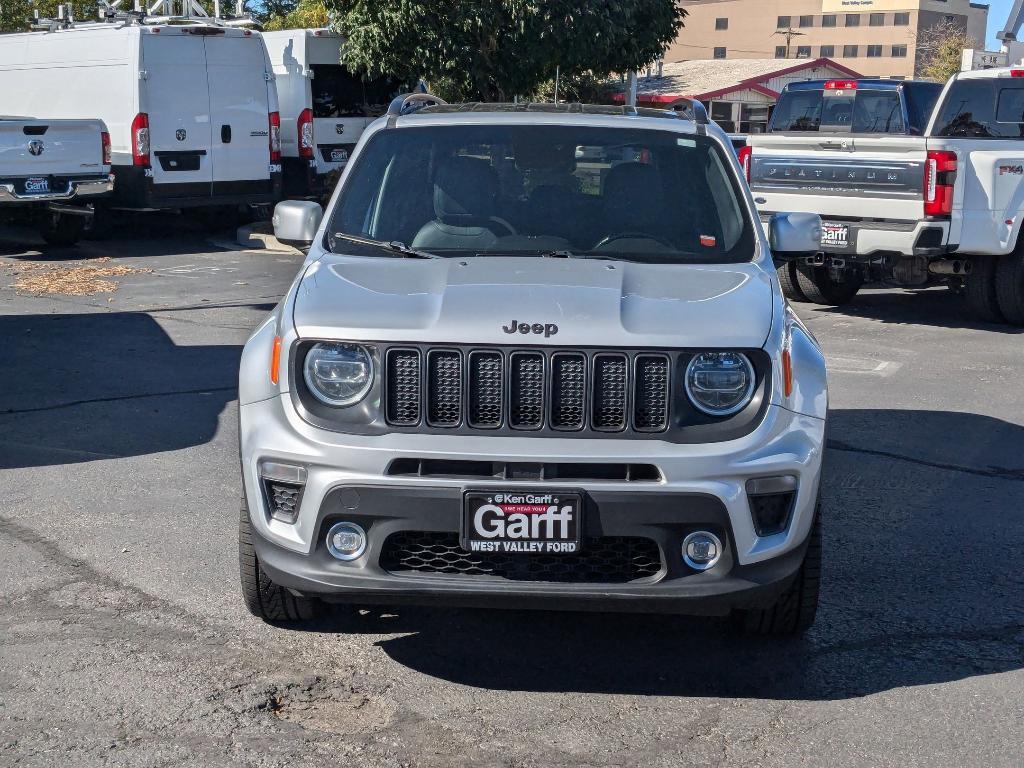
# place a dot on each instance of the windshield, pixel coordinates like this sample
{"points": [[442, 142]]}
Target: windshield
{"points": [[336, 93], [549, 190], [852, 111]]}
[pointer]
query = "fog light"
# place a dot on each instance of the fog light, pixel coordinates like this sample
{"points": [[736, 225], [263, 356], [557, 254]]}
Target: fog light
{"points": [[701, 550], [346, 541]]}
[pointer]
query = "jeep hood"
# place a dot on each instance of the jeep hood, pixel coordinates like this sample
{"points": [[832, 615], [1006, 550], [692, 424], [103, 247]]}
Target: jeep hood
{"points": [[592, 302]]}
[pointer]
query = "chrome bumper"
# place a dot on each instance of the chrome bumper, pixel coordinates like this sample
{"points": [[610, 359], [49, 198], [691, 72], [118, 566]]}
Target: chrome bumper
{"points": [[75, 189]]}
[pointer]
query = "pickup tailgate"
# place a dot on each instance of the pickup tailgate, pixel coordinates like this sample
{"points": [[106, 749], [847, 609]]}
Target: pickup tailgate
{"points": [[52, 148], [869, 177]]}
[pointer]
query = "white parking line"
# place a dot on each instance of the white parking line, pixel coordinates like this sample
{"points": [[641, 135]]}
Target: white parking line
{"points": [[862, 365]]}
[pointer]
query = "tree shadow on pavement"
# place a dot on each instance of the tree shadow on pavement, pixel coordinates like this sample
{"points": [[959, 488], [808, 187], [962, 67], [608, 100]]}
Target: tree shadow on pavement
{"points": [[923, 584], [80, 387], [938, 306]]}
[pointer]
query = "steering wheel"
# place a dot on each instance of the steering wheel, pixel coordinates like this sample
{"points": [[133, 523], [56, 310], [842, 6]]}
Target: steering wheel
{"points": [[633, 236]]}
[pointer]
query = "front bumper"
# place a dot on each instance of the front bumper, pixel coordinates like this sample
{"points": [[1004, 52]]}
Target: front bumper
{"points": [[702, 487], [76, 188]]}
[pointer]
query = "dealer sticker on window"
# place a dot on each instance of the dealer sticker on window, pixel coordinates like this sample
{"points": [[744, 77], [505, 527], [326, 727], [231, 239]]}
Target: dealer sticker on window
{"points": [[529, 522]]}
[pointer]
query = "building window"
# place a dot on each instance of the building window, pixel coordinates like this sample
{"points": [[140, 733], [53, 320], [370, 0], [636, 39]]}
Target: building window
{"points": [[850, 51], [807, 21], [853, 19], [803, 52], [828, 20], [721, 24], [876, 19], [901, 19], [784, 22], [874, 51], [827, 51], [720, 52], [780, 51], [899, 51]]}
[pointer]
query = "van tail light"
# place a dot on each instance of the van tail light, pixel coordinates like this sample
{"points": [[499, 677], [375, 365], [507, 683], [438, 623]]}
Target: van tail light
{"points": [[745, 156], [304, 126], [275, 137], [140, 140], [939, 177], [105, 141]]}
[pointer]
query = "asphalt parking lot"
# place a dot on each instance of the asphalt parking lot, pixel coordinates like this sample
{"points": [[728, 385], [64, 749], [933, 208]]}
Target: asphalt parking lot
{"points": [[124, 640]]}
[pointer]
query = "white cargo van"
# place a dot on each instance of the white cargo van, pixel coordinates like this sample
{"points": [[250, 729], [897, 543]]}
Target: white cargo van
{"points": [[191, 108], [324, 108]]}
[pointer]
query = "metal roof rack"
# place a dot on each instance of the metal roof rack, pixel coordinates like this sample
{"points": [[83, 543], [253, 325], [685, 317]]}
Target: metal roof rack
{"points": [[184, 12]]}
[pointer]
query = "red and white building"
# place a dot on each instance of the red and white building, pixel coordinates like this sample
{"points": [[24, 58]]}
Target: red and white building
{"points": [[738, 93]]}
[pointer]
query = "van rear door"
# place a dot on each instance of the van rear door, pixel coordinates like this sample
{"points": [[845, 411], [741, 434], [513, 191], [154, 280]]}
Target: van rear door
{"points": [[239, 112], [178, 105]]}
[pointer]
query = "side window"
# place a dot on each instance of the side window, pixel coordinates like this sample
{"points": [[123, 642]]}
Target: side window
{"points": [[797, 111], [982, 109]]}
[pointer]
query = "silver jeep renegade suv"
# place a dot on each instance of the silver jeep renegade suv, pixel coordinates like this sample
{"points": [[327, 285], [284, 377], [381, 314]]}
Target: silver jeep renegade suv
{"points": [[537, 356]]}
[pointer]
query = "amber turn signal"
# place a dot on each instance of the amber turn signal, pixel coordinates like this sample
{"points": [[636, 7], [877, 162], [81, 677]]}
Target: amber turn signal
{"points": [[275, 360]]}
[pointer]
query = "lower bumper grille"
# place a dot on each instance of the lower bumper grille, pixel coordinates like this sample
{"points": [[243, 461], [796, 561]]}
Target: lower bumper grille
{"points": [[605, 560]]}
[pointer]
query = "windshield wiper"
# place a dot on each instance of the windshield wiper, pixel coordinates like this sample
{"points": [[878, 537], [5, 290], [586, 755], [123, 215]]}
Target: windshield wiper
{"points": [[394, 246]]}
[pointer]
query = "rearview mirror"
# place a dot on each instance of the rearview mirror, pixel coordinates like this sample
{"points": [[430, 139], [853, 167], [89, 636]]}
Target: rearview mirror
{"points": [[794, 234], [296, 223]]}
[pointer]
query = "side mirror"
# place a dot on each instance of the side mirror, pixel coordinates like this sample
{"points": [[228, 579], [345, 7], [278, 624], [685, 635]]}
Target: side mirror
{"points": [[794, 234], [296, 223]]}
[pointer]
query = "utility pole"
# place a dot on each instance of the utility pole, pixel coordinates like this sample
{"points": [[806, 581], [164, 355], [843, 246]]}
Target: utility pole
{"points": [[789, 34]]}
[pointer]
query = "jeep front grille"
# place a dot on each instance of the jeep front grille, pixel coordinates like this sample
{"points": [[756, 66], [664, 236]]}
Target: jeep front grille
{"points": [[445, 388]]}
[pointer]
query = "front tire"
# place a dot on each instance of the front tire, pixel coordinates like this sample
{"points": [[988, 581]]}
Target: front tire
{"points": [[61, 229], [796, 608], [820, 288], [265, 599], [981, 294]]}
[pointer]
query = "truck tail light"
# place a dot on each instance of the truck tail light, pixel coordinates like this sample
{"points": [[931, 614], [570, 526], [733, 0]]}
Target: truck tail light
{"points": [[275, 137], [939, 177], [745, 156], [841, 85], [1017, 73], [304, 126], [105, 141], [140, 140]]}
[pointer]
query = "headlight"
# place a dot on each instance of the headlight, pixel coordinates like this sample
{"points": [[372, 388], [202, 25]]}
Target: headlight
{"points": [[720, 383], [338, 374]]}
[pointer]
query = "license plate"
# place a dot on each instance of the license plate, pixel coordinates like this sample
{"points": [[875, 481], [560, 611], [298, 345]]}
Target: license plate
{"points": [[339, 155], [37, 186], [527, 522], [836, 236]]}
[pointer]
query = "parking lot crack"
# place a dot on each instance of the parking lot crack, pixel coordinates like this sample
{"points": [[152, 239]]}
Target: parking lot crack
{"points": [[1000, 473], [118, 398]]}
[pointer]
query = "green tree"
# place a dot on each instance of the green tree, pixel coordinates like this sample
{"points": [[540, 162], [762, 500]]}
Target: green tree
{"points": [[304, 14], [492, 50], [940, 50], [16, 15]]}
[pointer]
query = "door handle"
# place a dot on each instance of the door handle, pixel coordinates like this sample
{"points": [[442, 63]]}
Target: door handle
{"points": [[225, 134]]}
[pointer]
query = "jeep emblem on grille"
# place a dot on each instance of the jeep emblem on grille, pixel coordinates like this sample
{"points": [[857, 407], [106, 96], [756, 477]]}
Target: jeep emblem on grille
{"points": [[547, 329], [35, 147]]}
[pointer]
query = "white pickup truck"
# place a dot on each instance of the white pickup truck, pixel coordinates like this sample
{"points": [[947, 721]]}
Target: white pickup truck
{"points": [[946, 204], [50, 170]]}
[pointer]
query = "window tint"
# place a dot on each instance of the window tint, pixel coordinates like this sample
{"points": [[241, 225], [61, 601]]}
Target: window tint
{"points": [[876, 19], [780, 51], [982, 109], [853, 19], [807, 21], [336, 93], [899, 51], [874, 51], [901, 19], [828, 20], [721, 24], [827, 51], [850, 51], [719, 52], [803, 52], [861, 111], [920, 99], [454, 190], [783, 22]]}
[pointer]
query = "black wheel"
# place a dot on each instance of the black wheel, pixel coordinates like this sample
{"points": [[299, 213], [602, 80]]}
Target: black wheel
{"points": [[820, 288], [263, 597], [61, 229], [982, 300], [794, 611], [1010, 286], [101, 225], [790, 287]]}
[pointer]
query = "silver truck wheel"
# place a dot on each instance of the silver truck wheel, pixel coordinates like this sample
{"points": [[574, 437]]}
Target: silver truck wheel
{"points": [[790, 286], [265, 599], [819, 287], [982, 299], [1010, 286], [795, 610]]}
